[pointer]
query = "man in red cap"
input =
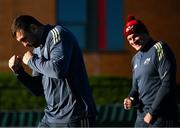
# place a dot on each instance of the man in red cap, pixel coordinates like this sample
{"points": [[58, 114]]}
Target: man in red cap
{"points": [[153, 78]]}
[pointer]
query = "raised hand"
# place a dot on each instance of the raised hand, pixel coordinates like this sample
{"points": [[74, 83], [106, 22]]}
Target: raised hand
{"points": [[27, 56], [15, 62]]}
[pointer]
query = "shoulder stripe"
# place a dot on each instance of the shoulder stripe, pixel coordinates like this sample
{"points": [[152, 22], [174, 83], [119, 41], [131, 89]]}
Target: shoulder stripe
{"points": [[56, 35], [53, 35], [159, 49]]}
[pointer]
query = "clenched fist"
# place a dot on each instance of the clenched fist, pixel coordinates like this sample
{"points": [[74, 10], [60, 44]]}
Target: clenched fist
{"points": [[148, 118], [128, 102], [15, 62], [27, 56]]}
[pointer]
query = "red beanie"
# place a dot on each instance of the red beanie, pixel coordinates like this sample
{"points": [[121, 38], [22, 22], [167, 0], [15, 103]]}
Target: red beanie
{"points": [[133, 26]]}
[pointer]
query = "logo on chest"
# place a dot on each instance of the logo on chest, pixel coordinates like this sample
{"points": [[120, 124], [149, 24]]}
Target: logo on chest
{"points": [[146, 62]]}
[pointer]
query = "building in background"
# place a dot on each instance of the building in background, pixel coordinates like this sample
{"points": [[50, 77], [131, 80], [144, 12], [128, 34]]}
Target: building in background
{"points": [[98, 26]]}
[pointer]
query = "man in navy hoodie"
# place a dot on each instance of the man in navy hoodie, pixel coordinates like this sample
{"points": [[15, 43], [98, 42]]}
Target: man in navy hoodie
{"points": [[154, 78], [58, 72]]}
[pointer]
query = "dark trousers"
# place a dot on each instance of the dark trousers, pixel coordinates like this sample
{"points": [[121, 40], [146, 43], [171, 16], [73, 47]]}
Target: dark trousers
{"points": [[86, 122]]}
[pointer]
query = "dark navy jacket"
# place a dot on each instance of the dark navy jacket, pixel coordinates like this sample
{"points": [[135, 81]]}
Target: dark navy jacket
{"points": [[59, 73], [154, 80]]}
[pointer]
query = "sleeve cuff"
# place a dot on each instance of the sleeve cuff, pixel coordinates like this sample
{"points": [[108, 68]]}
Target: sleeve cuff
{"points": [[19, 72], [152, 112]]}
